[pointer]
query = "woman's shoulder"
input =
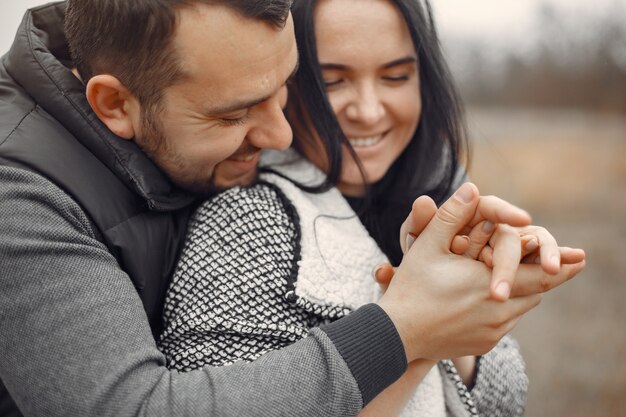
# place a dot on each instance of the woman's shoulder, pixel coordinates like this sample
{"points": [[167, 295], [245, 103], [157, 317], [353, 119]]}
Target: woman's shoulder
{"points": [[238, 205]]}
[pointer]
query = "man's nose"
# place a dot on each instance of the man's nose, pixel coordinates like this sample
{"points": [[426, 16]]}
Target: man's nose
{"points": [[272, 129]]}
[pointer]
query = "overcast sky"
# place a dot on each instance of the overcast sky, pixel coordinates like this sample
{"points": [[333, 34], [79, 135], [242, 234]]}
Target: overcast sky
{"points": [[503, 20]]}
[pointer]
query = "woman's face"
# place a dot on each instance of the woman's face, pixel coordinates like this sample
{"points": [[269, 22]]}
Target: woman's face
{"points": [[370, 69]]}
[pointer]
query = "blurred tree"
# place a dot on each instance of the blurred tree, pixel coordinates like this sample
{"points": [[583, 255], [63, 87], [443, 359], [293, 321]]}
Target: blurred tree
{"points": [[574, 61]]}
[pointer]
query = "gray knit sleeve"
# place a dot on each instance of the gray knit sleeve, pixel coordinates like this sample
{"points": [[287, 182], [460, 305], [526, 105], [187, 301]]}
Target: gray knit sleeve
{"points": [[501, 384], [76, 340]]}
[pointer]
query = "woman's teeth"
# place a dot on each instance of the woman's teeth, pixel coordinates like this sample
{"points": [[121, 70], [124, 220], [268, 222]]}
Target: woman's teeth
{"points": [[363, 142]]}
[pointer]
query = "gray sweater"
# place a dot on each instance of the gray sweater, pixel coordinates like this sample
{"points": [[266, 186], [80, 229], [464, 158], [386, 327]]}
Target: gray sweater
{"points": [[75, 340]]}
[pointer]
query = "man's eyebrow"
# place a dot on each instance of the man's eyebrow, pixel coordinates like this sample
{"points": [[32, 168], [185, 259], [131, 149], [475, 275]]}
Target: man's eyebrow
{"points": [[240, 105], [394, 63]]}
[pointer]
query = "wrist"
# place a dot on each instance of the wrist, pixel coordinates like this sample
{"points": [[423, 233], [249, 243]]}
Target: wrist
{"points": [[466, 367], [396, 319]]}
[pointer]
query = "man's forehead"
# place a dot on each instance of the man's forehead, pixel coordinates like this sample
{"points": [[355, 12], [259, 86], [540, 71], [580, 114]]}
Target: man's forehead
{"points": [[230, 59], [247, 98]]}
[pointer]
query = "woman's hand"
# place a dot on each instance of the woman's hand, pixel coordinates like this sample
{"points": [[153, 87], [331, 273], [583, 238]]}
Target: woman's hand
{"points": [[500, 236]]}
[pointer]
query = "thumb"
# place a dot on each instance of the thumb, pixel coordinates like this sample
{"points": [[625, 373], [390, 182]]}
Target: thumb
{"points": [[383, 274], [422, 211], [453, 216]]}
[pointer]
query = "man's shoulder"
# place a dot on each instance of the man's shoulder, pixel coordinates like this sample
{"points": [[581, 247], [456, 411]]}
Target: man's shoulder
{"points": [[25, 193]]}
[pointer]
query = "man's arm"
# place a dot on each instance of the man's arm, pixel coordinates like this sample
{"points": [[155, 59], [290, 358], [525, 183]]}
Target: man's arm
{"points": [[76, 340]]}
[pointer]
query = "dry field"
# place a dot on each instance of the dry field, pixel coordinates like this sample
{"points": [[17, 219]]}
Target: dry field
{"points": [[568, 169]]}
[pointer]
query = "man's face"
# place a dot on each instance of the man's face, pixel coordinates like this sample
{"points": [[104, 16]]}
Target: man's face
{"points": [[212, 125]]}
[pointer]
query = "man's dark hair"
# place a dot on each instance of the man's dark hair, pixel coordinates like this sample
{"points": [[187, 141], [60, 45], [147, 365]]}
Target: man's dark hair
{"points": [[132, 39]]}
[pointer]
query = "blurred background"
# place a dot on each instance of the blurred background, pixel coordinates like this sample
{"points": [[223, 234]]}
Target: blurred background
{"points": [[544, 82]]}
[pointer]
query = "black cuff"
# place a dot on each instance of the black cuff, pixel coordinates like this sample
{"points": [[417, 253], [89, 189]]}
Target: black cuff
{"points": [[371, 346]]}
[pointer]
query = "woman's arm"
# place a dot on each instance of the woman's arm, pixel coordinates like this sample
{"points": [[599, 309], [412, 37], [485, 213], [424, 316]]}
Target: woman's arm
{"points": [[501, 383], [392, 401]]}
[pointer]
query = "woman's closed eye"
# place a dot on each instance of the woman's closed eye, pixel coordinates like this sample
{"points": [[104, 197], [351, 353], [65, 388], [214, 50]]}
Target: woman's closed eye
{"points": [[329, 82], [396, 78]]}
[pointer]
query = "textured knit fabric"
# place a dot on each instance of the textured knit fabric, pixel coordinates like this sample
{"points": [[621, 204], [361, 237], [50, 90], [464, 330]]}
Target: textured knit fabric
{"points": [[504, 363], [74, 336], [280, 263], [76, 342], [264, 264], [48, 127]]}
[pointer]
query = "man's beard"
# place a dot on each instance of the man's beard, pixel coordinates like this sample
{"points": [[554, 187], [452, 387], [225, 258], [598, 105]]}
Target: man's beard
{"points": [[155, 145]]}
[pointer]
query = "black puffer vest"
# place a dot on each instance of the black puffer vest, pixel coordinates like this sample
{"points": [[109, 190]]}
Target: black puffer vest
{"points": [[47, 126]]}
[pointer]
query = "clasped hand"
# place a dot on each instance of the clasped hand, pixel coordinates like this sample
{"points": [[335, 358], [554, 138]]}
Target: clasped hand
{"points": [[471, 269]]}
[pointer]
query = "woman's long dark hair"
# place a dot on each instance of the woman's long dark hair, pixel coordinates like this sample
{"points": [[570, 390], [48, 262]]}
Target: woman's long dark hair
{"points": [[432, 159]]}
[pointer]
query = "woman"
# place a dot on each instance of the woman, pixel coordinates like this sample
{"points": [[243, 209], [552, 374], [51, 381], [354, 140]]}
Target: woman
{"points": [[398, 118], [386, 93]]}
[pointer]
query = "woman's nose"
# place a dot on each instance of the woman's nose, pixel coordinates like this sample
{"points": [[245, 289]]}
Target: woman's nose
{"points": [[366, 107]]}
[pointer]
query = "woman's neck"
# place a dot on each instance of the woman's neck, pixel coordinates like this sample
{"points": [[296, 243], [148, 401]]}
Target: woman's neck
{"points": [[351, 190]]}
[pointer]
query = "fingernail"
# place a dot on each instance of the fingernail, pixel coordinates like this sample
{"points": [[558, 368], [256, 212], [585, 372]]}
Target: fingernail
{"points": [[503, 289], [376, 269], [488, 227], [410, 239], [465, 193], [532, 244]]}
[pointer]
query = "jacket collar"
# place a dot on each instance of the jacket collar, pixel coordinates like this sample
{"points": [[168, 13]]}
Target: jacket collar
{"points": [[39, 61]]}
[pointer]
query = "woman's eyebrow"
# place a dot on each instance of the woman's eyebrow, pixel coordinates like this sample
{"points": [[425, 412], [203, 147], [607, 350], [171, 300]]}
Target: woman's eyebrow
{"points": [[401, 61], [394, 63], [333, 66]]}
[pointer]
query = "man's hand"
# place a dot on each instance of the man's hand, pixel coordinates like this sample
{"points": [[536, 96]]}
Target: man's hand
{"points": [[498, 245], [441, 302]]}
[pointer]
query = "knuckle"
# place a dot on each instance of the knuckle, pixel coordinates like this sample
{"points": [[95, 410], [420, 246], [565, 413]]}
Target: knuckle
{"points": [[545, 284], [447, 216], [500, 320]]}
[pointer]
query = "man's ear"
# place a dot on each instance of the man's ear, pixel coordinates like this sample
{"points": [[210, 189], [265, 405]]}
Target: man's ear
{"points": [[114, 105]]}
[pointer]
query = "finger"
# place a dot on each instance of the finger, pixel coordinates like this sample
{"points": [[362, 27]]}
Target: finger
{"points": [[532, 279], [479, 237], [532, 258], [460, 244], [571, 255], [486, 256], [497, 210], [422, 211], [452, 216], [548, 250], [383, 274], [568, 256], [506, 258], [527, 303], [522, 305], [529, 245], [519, 306]]}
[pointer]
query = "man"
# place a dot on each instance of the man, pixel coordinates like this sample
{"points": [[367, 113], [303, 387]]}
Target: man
{"points": [[98, 179]]}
